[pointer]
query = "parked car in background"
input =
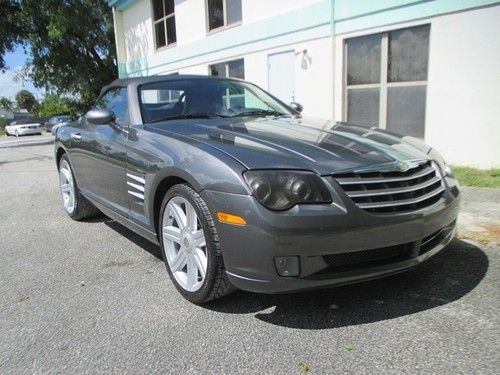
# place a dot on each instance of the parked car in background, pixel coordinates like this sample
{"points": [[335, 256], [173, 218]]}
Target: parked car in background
{"points": [[59, 119], [23, 127], [241, 191], [61, 124]]}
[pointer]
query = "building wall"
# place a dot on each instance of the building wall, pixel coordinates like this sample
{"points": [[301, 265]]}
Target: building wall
{"points": [[194, 28], [196, 46], [312, 79], [138, 31], [359, 15], [313, 74], [463, 100], [286, 25], [254, 10], [463, 86]]}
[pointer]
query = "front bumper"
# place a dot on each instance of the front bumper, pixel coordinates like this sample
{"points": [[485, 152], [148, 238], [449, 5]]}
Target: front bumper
{"points": [[322, 235]]}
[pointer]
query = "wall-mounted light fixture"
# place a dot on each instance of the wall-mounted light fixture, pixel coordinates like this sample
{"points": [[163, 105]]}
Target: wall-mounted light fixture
{"points": [[306, 59]]}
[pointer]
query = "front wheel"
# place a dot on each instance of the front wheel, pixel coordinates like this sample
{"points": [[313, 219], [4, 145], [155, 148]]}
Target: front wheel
{"points": [[190, 246]]}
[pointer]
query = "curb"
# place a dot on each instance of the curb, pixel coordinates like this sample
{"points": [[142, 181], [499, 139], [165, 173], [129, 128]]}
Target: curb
{"points": [[27, 143]]}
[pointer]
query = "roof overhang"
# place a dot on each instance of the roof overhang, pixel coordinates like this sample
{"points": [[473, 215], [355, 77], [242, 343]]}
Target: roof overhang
{"points": [[120, 4]]}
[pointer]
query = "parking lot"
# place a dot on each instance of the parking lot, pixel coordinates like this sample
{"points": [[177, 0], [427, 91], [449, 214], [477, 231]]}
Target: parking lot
{"points": [[93, 297]]}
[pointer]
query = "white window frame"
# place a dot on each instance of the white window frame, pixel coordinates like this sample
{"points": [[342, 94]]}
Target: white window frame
{"points": [[224, 12], [226, 66], [164, 20], [383, 85], [169, 100], [226, 63]]}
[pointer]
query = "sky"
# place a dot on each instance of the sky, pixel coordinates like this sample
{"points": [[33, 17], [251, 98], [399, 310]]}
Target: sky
{"points": [[8, 87]]}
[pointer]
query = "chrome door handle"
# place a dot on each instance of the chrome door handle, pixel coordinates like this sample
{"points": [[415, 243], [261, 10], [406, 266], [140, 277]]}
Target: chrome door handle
{"points": [[76, 136]]}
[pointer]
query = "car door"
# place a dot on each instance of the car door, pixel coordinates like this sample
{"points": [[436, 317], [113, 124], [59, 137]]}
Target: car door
{"points": [[100, 153]]}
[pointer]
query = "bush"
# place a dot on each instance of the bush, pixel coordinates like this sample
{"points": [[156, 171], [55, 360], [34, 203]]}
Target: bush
{"points": [[477, 177], [54, 105], [3, 122]]}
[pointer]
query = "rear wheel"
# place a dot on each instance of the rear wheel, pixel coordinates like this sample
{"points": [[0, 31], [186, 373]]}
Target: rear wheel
{"points": [[76, 205], [190, 246]]}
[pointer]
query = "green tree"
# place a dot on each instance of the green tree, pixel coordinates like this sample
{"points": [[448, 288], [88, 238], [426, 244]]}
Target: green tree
{"points": [[11, 30], [6, 103], [3, 122], [26, 100], [72, 45], [53, 105]]}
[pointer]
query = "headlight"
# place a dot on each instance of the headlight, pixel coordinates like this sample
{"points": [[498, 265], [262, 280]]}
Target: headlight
{"points": [[281, 190], [448, 172], [444, 168]]}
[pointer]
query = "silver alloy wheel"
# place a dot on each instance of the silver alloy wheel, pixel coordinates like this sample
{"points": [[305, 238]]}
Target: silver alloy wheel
{"points": [[184, 244], [67, 186]]}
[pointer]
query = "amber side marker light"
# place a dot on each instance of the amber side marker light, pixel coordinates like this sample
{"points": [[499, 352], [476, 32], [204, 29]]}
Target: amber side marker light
{"points": [[224, 217]]}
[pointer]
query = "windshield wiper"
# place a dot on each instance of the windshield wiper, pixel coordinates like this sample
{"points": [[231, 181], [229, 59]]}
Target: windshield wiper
{"points": [[260, 113], [186, 116]]}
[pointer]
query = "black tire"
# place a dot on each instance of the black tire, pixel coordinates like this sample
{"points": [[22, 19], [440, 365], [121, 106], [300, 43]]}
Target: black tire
{"points": [[216, 284], [83, 208]]}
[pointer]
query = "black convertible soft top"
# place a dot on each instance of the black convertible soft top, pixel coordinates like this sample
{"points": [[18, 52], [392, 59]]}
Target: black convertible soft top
{"points": [[137, 81]]}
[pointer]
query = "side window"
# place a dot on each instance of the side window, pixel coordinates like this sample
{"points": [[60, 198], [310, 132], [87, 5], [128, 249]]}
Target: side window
{"points": [[223, 13], [164, 23], [116, 100], [234, 68], [160, 97], [386, 80]]}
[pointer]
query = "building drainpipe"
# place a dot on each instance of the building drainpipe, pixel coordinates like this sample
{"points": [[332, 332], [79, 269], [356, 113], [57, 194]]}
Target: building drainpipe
{"points": [[332, 30]]}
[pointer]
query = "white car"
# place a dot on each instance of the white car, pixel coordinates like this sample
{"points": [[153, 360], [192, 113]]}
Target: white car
{"points": [[23, 127]]}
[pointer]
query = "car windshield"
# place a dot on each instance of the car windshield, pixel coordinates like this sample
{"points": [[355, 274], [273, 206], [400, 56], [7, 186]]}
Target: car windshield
{"points": [[23, 121], [205, 98], [61, 119]]}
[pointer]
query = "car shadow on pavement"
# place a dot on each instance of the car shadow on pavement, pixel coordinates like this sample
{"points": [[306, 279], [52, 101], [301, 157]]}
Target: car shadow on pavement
{"points": [[446, 277], [138, 240]]}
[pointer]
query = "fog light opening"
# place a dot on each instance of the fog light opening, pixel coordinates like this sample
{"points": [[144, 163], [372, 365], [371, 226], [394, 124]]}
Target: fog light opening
{"points": [[287, 266]]}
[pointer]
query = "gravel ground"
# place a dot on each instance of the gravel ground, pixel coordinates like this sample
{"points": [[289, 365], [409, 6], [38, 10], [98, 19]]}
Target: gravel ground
{"points": [[95, 298], [480, 216]]}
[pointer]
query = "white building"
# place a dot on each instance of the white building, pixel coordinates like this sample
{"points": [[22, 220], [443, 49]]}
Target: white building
{"points": [[430, 69]]}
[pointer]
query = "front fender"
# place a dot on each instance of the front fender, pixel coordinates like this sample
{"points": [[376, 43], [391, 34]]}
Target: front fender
{"points": [[157, 158]]}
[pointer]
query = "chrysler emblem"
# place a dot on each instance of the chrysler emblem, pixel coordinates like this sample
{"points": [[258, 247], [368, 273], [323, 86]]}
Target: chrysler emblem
{"points": [[403, 166], [393, 166]]}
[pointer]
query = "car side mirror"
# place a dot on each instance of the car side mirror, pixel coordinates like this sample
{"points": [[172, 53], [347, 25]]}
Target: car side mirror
{"points": [[100, 116], [296, 106]]}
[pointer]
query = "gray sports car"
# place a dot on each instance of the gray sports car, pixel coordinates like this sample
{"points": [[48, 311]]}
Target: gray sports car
{"points": [[242, 192]]}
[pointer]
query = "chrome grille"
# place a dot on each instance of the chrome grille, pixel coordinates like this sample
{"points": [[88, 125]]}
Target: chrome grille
{"points": [[393, 191]]}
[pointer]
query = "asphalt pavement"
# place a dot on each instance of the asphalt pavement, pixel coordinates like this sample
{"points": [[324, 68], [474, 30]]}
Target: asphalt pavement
{"points": [[93, 297], [26, 140]]}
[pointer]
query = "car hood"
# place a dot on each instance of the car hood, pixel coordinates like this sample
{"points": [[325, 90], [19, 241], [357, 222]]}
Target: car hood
{"points": [[324, 147]]}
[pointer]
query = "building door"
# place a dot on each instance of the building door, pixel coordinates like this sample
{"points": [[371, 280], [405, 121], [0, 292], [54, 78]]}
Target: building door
{"points": [[281, 75]]}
